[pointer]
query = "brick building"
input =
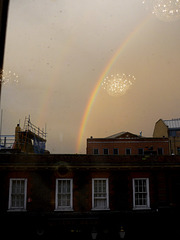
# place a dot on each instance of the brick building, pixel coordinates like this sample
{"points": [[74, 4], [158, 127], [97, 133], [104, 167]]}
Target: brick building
{"points": [[89, 196], [126, 143], [170, 129]]}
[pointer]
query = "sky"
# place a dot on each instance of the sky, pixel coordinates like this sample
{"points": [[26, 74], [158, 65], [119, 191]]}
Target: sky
{"points": [[62, 50]]}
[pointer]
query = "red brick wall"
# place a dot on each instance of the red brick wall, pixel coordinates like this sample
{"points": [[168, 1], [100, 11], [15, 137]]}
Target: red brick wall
{"points": [[122, 144], [164, 182], [41, 189]]}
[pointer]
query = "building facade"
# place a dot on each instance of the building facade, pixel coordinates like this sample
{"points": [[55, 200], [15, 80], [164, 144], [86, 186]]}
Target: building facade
{"points": [[89, 196], [170, 129], [126, 143]]}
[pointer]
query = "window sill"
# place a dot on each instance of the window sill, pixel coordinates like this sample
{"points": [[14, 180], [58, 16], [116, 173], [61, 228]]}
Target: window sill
{"points": [[100, 209], [64, 210], [141, 208], [17, 210]]}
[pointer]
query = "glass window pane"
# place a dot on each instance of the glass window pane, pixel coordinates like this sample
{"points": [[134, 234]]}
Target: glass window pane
{"points": [[100, 194], [64, 193], [140, 192], [17, 193]]}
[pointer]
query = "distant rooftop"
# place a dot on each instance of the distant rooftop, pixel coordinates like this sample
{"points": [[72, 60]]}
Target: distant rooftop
{"points": [[117, 135], [173, 123], [125, 135]]}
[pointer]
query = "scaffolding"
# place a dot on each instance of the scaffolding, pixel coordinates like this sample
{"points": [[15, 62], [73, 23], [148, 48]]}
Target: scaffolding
{"points": [[30, 139]]}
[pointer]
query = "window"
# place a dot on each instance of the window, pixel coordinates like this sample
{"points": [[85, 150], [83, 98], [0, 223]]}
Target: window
{"points": [[178, 150], [95, 151], [160, 151], [106, 151], [17, 194], [128, 151], [172, 133], [100, 194], [140, 151], [115, 151], [64, 194], [141, 193]]}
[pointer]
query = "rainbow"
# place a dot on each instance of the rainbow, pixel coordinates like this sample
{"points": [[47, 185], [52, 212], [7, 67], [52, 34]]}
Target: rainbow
{"points": [[48, 92], [100, 79]]}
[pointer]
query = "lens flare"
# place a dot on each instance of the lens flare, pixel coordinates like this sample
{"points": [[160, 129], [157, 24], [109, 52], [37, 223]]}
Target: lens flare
{"points": [[117, 84], [164, 10], [8, 77], [167, 10]]}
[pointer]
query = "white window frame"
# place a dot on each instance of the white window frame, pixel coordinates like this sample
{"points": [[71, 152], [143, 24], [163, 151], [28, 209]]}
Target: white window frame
{"points": [[10, 207], [64, 208], [139, 207], [107, 194]]}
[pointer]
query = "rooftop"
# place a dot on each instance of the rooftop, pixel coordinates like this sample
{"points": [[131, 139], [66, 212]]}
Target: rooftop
{"points": [[124, 135], [173, 123]]}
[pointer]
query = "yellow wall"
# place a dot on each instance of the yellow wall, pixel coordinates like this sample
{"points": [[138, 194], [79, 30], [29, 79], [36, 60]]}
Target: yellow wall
{"points": [[160, 129]]}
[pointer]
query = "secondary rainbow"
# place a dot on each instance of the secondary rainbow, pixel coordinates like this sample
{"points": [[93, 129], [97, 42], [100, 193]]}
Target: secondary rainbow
{"points": [[100, 79]]}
